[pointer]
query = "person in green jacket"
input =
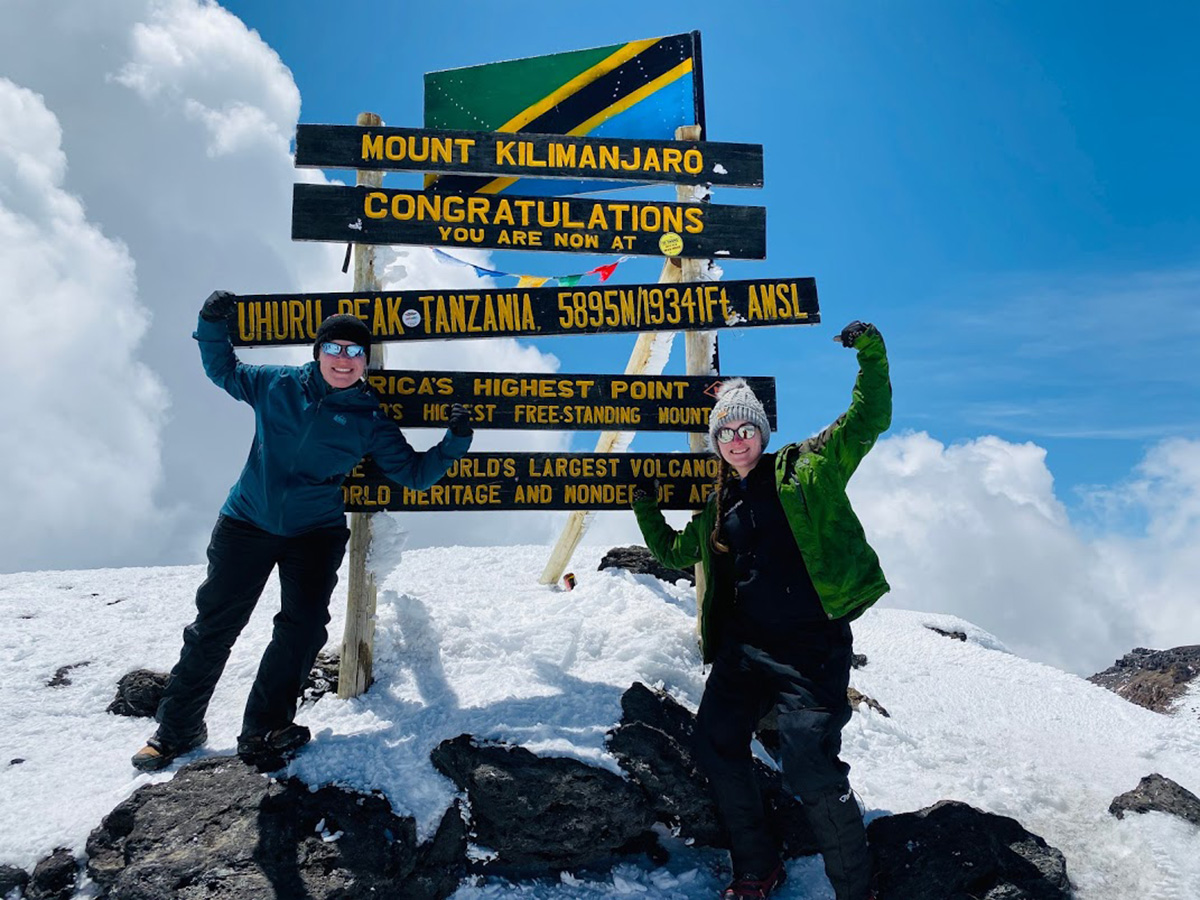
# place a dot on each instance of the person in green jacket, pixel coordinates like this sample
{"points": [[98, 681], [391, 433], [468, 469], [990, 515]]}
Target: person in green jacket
{"points": [[787, 567]]}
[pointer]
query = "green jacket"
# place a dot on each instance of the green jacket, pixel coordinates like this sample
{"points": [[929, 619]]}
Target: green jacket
{"points": [[811, 478]]}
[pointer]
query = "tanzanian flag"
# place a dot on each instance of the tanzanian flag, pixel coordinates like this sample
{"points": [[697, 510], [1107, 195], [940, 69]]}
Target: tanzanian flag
{"points": [[643, 89]]}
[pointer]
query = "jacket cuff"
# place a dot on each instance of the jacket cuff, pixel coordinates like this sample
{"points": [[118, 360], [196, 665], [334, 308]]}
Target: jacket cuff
{"points": [[210, 331], [454, 446]]}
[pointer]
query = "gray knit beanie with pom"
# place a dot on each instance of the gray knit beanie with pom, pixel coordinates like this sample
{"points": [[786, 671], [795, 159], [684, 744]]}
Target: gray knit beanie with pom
{"points": [[737, 403]]}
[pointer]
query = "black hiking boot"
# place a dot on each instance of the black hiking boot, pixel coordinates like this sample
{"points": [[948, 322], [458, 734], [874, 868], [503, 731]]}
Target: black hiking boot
{"points": [[754, 887], [158, 754], [273, 749]]}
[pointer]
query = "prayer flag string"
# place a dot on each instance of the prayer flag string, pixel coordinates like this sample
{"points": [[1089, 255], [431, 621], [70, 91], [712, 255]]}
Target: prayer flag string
{"points": [[604, 272]]}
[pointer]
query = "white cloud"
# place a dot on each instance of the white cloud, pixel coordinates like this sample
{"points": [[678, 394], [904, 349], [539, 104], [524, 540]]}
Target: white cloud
{"points": [[80, 437], [175, 122], [975, 529]]}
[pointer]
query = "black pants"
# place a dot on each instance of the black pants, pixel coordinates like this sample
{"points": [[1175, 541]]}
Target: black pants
{"points": [[808, 685], [241, 558]]}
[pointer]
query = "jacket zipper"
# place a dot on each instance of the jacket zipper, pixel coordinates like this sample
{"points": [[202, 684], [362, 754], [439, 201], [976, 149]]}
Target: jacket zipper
{"points": [[312, 420]]}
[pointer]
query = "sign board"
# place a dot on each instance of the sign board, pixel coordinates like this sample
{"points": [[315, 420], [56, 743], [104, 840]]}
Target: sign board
{"points": [[639, 89], [364, 215], [542, 481], [528, 400], [537, 155], [268, 319]]}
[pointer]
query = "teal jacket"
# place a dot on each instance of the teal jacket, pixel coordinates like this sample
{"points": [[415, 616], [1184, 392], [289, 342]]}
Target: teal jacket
{"points": [[811, 478], [307, 438]]}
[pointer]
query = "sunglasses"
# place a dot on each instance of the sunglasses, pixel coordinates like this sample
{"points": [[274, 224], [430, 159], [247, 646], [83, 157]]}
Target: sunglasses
{"points": [[745, 432], [353, 351]]}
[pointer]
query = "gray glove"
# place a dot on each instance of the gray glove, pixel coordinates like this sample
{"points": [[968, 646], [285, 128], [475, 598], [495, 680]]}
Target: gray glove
{"points": [[646, 489], [218, 307]]}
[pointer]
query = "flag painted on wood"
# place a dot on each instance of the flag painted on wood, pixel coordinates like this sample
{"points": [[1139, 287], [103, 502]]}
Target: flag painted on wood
{"points": [[641, 89]]}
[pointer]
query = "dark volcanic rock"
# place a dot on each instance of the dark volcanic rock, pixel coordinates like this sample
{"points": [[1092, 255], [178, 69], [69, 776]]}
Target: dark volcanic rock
{"points": [[61, 678], [1154, 679], [956, 635], [54, 877], [640, 561], [544, 814], [950, 850], [653, 743], [10, 878], [1155, 793], [322, 678], [138, 693], [220, 831]]}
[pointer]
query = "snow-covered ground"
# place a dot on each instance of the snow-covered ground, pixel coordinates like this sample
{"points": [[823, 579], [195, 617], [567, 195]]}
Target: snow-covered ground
{"points": [[467, 641]]}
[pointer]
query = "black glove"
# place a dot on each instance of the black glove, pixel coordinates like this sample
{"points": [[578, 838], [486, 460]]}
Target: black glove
{"points": [[460, 421], [851, 333], [218, 307], [646, 489]]}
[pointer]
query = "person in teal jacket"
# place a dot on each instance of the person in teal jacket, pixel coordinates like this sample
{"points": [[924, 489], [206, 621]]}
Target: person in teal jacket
{"points": [[787, 567], [313, 424]]}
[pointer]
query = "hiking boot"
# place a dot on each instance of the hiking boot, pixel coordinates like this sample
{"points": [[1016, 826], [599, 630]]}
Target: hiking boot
{"points": [[745, 887], [158, 754], [274, 746]]}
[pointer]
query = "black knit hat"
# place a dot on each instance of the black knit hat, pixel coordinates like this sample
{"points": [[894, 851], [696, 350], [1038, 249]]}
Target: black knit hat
{"points": [[343, 327]]}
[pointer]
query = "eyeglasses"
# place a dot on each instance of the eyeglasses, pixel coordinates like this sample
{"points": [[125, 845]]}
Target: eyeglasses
{"points": [[745, 432], [329, 348]]}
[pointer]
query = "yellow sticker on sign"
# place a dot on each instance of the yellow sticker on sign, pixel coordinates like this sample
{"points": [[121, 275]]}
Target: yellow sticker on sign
{"points": [[670, 244]]}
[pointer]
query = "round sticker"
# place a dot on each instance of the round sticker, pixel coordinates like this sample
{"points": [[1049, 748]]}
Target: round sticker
{"points": [[670, 244], [411, 318]]}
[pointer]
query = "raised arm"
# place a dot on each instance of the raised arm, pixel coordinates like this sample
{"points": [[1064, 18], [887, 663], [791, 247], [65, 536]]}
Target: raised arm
{"points": [[221, 364], [870, 414]]}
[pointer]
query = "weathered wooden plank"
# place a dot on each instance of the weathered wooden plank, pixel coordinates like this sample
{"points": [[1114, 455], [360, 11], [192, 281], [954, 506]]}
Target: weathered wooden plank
{"points": [[542, 481], [534, 155], [535, 401], [330, 212], [267, 319]]}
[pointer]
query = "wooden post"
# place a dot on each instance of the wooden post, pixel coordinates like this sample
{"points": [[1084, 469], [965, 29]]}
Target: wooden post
{"points": [[700, 347], [701, 350], [358, 639], [608, 442]]}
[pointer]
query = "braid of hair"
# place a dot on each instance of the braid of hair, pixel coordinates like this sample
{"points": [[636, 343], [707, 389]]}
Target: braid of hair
{"points": [[724, 473]]}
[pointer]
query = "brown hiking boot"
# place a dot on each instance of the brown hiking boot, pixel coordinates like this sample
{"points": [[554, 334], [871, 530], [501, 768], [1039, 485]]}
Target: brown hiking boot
{"points": [[158, 754]]}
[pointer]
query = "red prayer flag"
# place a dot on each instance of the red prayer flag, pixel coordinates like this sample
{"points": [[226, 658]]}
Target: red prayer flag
{"points": [[604, 271]]}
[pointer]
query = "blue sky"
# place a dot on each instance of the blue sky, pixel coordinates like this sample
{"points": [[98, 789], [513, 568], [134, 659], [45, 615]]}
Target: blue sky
{"points": [[1008, 189]]}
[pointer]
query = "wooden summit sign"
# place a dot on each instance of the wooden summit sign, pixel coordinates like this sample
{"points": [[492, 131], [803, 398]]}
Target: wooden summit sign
{"points": [[528, 400], [363, 215], [543, 481], [538, 155], [267, 319]]}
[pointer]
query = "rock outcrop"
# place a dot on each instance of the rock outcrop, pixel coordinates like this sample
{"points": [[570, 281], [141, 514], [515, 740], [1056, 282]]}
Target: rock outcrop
{"points": [[1155, 793], [540, 815], [640, 561], [221, 831], [1155, 679], [951, 850]]}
